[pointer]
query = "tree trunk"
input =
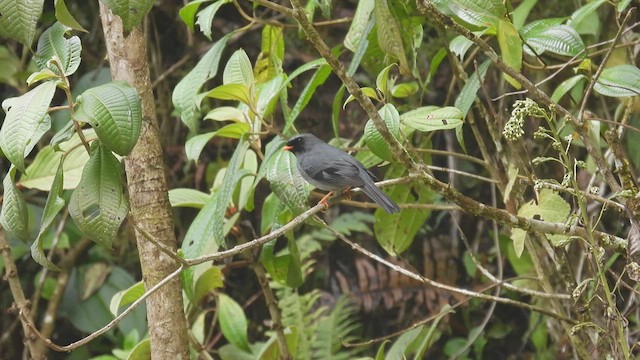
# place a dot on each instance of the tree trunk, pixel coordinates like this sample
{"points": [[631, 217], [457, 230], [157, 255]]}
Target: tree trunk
{"points": [[148, 193]]}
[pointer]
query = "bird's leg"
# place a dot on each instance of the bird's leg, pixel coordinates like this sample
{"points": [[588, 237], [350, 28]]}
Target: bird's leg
{"points": [[324, 199]]}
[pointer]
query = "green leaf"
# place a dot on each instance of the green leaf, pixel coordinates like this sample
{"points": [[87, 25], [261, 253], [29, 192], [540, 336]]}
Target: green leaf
{"points": [[226, 113], [404, 90], [247, 184], [357, 30], [389, 37], [142, 351], [193, 147], [184, 97], [468, 93], [395, 233], [619, 81], [269, 62], [52, 207], [237, 92], [482, 13], [285, 180], [510, 49], [382, 80], [205, 17], [566, 86], [44, 74], [238, 70], [14, 216], [367, 91], [376, 143], [429, 118], [42, 171], [340, 327], [113, 110], [582, 19], [25, 123], [126, 297], [209, 280], [19, 18], [267, 94], [546, 35], [98, 205], [188, 12], [459, 45], [130, 11], [233, 322], [551, 207], [521, 13], [186, 197], [64, 16], [284, 266]]}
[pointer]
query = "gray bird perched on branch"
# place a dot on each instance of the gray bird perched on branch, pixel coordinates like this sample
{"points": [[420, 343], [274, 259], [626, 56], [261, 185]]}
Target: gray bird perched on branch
{"points": [[331, 169]]}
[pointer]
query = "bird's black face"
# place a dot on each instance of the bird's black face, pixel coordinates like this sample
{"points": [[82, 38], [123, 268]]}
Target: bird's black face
{"points": [[297, 144]]}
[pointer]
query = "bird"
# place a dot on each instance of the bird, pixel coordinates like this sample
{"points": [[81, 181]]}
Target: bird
{"points": [[331, 169]]}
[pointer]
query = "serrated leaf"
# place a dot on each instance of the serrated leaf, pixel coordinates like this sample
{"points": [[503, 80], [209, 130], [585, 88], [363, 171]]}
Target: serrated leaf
{"points": [[238, 70], [54, 45], [544, 35], [113, 110], [184, 97], [619, 81], [359, 23], [468, 93], [375, 142], [19, 18], [14, 215], [185, 197], [510, 49], [64, 16], [98, 205], [483, 13], [130, 11], [395, 233], [233, 322], [389, 37], [206, 15], [52, 207], [285, 180], [126, 297], [429, 118], [25, 123], [209, 280], [193, 147], [41, 172]]}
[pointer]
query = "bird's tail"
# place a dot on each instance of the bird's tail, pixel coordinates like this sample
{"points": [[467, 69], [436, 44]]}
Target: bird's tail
{"points": [[380, 198]]}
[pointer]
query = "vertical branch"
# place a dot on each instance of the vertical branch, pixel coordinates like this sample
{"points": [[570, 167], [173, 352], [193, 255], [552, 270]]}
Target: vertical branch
{"points": [[148, 194], [20, 302]]}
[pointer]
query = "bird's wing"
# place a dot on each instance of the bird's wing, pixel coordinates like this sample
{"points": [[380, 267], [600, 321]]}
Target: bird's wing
{"points": [[337, 170]]}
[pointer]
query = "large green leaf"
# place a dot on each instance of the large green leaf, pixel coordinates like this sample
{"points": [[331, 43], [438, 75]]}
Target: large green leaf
{"points": [[193, 147], [482, 13], [130, 11], [376, 143], [284, 266], [99, 205], [42, 171], [510, 49], [467, 95], [209, 280], [64, 16], [357, 30], [26, 121], [126, 297], [238, 70], [14, 216], [184, 96], [546, 35], [188, 12], [18, 19], [284, 178], [54, 45], [187, 197], [233, 322], [113, 110], [52, 207], [619, 81], [566, 86]]}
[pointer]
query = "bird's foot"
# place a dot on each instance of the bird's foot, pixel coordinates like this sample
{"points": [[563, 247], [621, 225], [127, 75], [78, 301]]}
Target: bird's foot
{"points": [[347, 192], [324, 202]]}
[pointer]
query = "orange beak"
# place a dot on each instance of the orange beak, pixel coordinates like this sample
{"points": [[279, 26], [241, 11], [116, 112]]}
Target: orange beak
{"points": [[287, 147]]}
